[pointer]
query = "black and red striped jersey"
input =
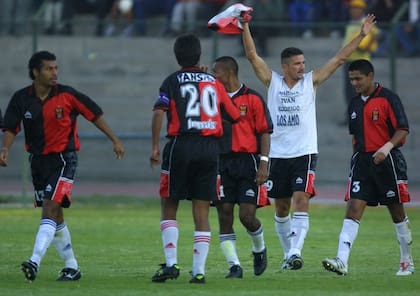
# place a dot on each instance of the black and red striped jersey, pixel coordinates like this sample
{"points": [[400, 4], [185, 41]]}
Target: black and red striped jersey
{"points": [[50, 125], [244, 135], [373, 122], [192, 100]]}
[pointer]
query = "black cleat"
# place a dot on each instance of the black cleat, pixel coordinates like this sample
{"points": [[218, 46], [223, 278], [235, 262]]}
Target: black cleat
{"points": [[198, 279], [29, 269], [69, 274], [260, 262], [235, 271], [164, 273]]}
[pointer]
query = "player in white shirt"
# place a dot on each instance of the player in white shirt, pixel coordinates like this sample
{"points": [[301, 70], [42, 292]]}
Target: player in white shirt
{"points": [[294, 148]]}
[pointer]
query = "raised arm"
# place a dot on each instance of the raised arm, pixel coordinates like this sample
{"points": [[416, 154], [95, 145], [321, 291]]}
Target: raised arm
{"points": [[323, 73], [260, 67]]}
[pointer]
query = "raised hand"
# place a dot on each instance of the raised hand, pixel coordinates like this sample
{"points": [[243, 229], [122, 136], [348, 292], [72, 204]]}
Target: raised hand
{"points": [[368, 24]]}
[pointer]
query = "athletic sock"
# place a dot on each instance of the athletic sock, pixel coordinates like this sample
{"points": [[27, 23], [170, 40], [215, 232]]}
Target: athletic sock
{"points": [[201, 249], [62, 242], [282, 227], [299, 229], [170, 233], [404, 239], [228, 246], [347, 236], [257, 238], [43, 239]]}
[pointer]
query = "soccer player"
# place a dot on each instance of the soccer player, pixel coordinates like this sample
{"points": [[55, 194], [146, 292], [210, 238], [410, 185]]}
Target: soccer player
{"points": [[294, 148], [48, 112], [192, 100], [1, 119], [379, 126], [243, 167]]}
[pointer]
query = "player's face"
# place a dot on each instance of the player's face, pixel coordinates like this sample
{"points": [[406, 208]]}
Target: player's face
{"points": [[362, 83], [221, 73], [48, 73], [295, 67]]}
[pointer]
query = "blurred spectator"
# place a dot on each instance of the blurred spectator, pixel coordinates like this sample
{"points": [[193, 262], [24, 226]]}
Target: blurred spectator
{"points": [[384, 11], [368, 45], [302, 15], [120, 16], [408, 33], [102, 9], [184, 16], [144, 9], [15, 16], [335, 13]]}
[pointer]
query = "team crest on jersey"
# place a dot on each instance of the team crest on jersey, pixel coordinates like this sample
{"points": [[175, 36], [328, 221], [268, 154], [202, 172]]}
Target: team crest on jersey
{"points": [[59, 112], [243, 109], [375, 114]]}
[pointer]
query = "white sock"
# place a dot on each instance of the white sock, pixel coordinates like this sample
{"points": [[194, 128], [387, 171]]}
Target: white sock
{"points": [[228, 246], [170, 233], [299, 229], [257, 238], [201, 249], [62, 242], [404, 239], [282, 226], [43, 239], [347, 236]]}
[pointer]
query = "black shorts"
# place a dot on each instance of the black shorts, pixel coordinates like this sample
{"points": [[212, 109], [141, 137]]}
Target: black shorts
{"points": [[288, 175], [53, 176], [238, 171], [385, 183], [189, 168]]}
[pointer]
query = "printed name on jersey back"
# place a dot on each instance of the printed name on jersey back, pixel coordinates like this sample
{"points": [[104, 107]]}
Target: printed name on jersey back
{"points": [[195, 77]]}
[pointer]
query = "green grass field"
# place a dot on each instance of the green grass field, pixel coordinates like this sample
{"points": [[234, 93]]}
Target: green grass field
{"points": [[118, 245]]}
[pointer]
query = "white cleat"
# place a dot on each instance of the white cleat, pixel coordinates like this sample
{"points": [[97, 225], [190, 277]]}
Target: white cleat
{"points": [[335, 265], [406, 268]]}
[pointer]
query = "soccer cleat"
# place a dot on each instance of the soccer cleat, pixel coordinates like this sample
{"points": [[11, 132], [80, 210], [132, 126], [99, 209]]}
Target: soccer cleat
{"points": [[294, 262], [260, 261], [406, 268], [335, 265], [235, 271], [166, 272], [198, 279], [29, 269], [69, 274]]}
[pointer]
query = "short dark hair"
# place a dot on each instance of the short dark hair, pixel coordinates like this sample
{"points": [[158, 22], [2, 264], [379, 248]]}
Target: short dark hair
{"points": [[229, 62], [35, 62], [289, 52], [187, 49], [363, 66]]}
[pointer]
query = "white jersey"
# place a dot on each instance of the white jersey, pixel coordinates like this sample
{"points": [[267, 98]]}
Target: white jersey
{"points": [[293, 113]]}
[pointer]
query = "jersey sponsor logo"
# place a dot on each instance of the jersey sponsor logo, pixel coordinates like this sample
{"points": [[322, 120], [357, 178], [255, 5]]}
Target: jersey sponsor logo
{"points": [[194, 77], [201, 124], [353, 115], [299, 180]]}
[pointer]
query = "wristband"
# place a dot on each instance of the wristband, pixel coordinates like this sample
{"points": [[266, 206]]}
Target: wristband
{"points": [[264, 158]]}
